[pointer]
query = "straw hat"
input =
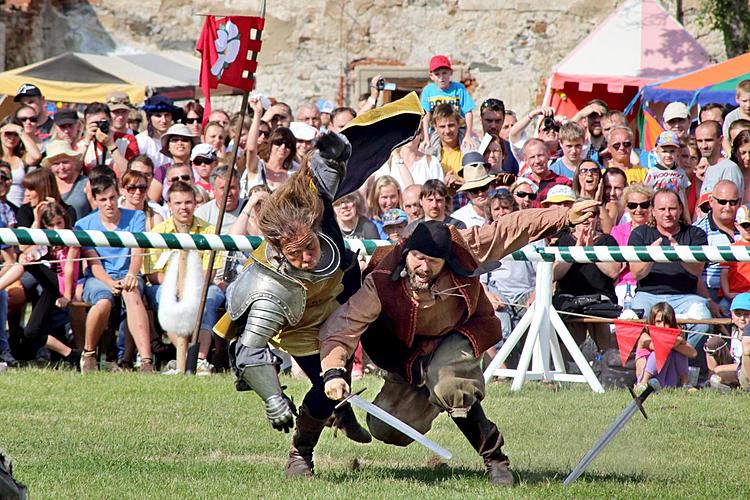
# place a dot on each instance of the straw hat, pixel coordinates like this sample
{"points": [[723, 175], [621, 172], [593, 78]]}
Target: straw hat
{"points": [[178, 129], [57, 149], [474, 171]]}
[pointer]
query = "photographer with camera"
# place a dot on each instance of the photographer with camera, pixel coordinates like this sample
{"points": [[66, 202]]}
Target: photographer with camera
{"points": [[548, 131], [377, 85], [98, 145]]}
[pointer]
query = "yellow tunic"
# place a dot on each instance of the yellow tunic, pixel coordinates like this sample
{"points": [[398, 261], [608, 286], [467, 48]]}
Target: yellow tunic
{"points": [[167, 227], [302, 338]]}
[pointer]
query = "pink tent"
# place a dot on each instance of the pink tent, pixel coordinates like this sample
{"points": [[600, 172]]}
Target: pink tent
{"points": [[637, 44]]}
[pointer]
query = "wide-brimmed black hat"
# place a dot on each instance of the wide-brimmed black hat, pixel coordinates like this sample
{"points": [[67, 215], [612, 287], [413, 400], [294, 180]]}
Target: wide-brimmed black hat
{"points": [[432, 238]]}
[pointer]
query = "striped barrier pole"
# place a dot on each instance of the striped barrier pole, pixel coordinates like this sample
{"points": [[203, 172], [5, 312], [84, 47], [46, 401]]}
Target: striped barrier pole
{"points": [[223, 242]]}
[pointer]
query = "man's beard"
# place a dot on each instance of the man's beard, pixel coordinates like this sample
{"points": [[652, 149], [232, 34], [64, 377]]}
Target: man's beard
{"points": [[415, 284]]}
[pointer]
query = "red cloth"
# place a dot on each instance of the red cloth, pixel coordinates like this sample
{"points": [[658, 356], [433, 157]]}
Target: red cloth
{"points": [[739, 273], [627, 335], [132, 150], [663, 340]]}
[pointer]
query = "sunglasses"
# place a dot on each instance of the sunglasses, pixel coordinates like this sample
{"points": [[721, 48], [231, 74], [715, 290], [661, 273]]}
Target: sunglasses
{"points": [[5, 178], [732, 203], [645, 205], [10, 134], [179, 138], [32, 119], [190, 121], [524, 194], [479, 190], [132, 188], [264, 133], [202, 161], [184, 177], [493, 104], [622, 145], [590, 170], [744, 225], [280, 142]]}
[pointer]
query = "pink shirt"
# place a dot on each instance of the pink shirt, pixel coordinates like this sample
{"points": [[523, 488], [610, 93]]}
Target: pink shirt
{"points": [[62, 255], [621, 233]]}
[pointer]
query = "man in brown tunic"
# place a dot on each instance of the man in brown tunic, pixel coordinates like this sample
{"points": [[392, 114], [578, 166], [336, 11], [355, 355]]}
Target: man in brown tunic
{"points": [[422, 316]]}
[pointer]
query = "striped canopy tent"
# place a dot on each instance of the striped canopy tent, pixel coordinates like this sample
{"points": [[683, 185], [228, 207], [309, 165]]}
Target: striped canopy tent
{"points": [[76, 77], [638, 44]]}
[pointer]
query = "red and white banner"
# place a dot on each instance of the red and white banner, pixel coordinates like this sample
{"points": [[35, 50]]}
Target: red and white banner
{"points": [[227, 46], [662, 340], [627, 335]]}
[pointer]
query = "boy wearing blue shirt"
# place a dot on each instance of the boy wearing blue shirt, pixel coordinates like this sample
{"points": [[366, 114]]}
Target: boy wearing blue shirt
{"points": [[113, 271], [443, 90]]}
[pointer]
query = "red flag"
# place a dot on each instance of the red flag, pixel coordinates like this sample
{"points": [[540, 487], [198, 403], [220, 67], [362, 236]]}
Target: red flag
{"points": [[627, 334], [227, 46], [663, 340]]}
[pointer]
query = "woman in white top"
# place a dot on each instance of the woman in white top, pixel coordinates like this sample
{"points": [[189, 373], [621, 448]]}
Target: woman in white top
{"points": [[277, 163], [160, 114], [19, 150], [409, 166]]}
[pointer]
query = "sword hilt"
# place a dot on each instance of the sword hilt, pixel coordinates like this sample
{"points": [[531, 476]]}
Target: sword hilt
{"points": [[653, 386], [348, 396]]}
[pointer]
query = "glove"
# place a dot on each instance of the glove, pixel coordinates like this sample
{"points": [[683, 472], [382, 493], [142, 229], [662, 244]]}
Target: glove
{"points": [[581, 211], [333, 146], [280, 411], [335, 389]]}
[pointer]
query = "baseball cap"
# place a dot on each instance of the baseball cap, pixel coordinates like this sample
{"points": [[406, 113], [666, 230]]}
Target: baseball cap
{"points": [[118, 100], [743, 215], [204, 151], [675, 110], [65, 117], [394, 216], [559, 194], [27, 90], [668, 138], [302, 131], [325, 106], [741, 301], [440, 61]]}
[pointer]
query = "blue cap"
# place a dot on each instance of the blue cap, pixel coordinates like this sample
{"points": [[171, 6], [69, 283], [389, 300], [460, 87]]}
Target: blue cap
{"points": [[742, 301], [396, 216]]}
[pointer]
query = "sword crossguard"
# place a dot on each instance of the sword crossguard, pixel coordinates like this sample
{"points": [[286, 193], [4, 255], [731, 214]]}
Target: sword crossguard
{"points": [[638, 402], [347, 397]]}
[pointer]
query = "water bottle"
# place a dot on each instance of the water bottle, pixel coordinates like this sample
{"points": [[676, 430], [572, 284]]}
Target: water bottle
{"points": [[627, 302]]}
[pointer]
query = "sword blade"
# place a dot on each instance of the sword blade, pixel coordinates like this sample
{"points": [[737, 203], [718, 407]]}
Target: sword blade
{"points": [[602, 443], [400, 426]]}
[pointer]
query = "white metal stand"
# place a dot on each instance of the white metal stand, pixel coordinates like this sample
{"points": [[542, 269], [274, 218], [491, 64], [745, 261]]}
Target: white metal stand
{"points": [[540, 320]]}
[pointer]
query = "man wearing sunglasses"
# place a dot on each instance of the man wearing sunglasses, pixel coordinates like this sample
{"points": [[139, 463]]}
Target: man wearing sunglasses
{"points": [[720, 229], [31, 95], [620, 148]]}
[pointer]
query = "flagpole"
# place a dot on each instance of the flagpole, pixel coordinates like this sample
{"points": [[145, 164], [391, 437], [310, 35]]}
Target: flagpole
{"points": [[192, 357]]}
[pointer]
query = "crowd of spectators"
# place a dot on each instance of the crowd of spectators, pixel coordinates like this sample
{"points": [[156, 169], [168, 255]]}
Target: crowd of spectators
{"points": [[161, 167]]}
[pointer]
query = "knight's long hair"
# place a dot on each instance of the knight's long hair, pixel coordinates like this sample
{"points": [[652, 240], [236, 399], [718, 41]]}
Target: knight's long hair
{"points": [[292, 208]]}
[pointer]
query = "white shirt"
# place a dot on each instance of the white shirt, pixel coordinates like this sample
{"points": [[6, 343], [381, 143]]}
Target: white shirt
{"points": [[151, 147], [421, 171], [469, 216]]}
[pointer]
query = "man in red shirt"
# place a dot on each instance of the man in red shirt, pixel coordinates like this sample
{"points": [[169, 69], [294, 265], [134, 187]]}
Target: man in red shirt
{"points": [[537, 158]]}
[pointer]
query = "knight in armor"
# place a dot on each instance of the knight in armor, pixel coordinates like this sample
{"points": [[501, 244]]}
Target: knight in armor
{"points": [[287, 292], [423, 317]]}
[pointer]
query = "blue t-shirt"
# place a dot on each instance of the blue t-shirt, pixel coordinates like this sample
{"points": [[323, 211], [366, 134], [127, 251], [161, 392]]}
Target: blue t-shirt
{"points": [[455, 95], [559, 168], [133, 221]]}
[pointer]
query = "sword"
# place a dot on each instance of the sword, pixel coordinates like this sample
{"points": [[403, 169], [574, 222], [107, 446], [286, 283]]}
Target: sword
{"points": [[397, 424], [635, 405]]}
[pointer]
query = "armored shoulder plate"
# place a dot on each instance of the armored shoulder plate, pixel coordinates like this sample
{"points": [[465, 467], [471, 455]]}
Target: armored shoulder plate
{"points": [[258, 281]]}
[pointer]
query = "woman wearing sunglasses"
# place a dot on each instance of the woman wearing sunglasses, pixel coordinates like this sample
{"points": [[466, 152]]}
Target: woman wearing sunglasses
{"points": [[524, 192], [586, 180], [276, 163], [20, 151], [194, 117], [135, 197], [636, 200]]}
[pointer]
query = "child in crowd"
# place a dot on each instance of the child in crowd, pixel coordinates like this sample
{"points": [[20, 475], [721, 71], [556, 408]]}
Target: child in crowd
{"points": [[666, 174], [724, 358], [443, 90], [742, 111], [394, 222], [675, 369], [735, 276], [572, 136]]}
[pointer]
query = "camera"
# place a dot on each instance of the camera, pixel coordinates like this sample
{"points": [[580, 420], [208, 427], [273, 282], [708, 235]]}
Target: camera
{"points": [[550, 124], [103, 126], [381, 85]]}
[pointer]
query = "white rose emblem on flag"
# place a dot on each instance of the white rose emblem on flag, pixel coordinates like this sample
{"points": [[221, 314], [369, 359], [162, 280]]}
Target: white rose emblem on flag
{"points": [[227, 46]]}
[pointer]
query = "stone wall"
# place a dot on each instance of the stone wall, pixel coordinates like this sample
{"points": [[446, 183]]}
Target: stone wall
{"points": [[326, 48]]}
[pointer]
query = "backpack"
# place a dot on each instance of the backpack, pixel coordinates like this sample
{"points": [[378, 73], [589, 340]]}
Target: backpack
{"points": [[608, 368]]}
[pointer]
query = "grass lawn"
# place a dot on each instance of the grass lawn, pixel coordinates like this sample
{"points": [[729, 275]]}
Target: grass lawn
{"points": [[132, 436]]}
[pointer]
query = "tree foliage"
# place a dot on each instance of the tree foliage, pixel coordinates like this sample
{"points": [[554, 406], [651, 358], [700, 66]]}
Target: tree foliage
{"points": [[732, 19]]}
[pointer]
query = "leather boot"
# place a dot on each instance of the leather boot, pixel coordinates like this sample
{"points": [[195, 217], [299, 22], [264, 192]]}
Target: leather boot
{"points": [[345, 420], [306, 435], [485, 437]]}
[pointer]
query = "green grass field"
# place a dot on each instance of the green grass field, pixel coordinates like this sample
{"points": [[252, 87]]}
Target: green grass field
{"points": [[132, 436]]}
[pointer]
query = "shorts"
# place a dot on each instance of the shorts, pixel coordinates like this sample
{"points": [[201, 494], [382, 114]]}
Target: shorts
{"points": [[95, 290]]}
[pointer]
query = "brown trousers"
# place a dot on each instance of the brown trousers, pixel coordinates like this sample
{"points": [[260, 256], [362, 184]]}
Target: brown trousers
{"points": [[453, 382]]}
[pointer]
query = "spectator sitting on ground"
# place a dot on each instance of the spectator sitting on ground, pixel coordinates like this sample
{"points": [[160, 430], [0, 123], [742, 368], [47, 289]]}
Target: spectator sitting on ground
{"points": [[586, 279], [729, 361], [349, 211], [209, 211], [675, 282], [719, 226], [384, 195], [411, 202], [113, 271], [735, 276], [524, 192], [476, 186], [636, 200], [572, 136], [181, 199], [674, 372]]}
